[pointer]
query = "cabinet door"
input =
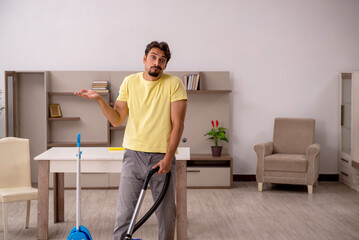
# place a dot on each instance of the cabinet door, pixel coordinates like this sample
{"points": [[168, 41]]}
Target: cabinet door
{"points": [[346, 113]]}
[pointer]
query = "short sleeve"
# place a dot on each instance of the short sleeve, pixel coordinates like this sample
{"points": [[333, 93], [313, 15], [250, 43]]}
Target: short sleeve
{"points": [[178, 91], [123, 92]]}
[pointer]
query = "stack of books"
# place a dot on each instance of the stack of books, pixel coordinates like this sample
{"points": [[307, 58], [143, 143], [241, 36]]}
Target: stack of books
{"points": [[100, 86], [192, 81]]}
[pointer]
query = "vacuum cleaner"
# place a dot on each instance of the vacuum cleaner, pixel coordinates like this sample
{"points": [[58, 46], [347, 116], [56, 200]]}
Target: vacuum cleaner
{"points": [[79, 232], [82, 233], [133, 227]]}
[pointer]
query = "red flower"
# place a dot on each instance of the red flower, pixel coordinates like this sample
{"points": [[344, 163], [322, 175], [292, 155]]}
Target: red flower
{"points": [[212, 123], [216, 123]]}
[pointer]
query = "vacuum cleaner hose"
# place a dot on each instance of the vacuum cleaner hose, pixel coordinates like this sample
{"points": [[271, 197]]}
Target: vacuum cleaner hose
{"points": [[158, 201]]}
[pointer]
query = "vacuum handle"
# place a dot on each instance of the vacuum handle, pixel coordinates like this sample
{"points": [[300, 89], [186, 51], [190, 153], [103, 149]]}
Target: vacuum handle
{"points": [[148, 177], [78, 140], [78, 184]]}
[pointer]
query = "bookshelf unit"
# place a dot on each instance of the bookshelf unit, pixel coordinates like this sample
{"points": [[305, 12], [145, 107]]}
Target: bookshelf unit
{"points": [[80, 115]]}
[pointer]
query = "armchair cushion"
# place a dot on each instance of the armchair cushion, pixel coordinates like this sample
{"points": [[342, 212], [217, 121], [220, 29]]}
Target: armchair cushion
{"points": [[286, 162]]}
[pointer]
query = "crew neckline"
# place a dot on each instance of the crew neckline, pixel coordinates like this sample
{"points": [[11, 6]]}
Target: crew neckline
{"points": [[151, 82]]}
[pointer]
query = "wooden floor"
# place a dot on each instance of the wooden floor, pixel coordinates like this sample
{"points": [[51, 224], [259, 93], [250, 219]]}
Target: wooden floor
{"points": [[279, 212]]}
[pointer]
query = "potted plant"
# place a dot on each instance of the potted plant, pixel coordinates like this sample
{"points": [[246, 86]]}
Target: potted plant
{"points": [[216, 134]]}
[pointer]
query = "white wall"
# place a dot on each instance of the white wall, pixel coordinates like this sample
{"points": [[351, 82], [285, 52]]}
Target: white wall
{"points": [[284, 56]]}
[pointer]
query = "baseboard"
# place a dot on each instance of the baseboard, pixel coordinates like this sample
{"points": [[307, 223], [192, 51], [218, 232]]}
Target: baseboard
{"points": [[252, 177], [328, 178], [244, 177]]}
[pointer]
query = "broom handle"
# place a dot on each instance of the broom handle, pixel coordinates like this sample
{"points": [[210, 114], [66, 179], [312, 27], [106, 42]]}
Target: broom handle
{"points": [[78, 185]]}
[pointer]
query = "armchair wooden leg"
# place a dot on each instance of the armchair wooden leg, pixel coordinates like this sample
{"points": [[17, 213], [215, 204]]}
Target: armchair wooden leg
{"points": [[4, 212], [28, 207], [260, 186], [310, 189]]}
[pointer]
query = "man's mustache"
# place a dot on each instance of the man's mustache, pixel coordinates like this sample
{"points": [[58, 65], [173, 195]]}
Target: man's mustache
{"points": [[159, 68]]}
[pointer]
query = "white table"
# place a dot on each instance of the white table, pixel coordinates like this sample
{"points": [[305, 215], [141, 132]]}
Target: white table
{"points": [[60, 160]]}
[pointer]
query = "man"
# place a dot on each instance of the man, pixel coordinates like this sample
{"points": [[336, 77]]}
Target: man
{"points": [[156, 107]]}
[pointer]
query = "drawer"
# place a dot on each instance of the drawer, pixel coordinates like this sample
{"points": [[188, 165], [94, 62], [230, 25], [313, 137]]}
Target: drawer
{"points": [[346, 176], [208, 177], [344, 162]]}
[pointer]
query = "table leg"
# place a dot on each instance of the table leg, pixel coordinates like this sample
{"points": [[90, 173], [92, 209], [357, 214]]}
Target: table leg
{"points": [[59, 207], [181, 199], [43, 200]]}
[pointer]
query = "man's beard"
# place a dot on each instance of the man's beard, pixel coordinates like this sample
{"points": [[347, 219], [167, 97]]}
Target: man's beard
{"points": [[154, 74]]}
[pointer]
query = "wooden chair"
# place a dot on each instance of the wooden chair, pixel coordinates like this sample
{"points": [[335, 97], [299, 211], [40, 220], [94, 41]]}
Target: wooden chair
{"points": [[15, 176]]}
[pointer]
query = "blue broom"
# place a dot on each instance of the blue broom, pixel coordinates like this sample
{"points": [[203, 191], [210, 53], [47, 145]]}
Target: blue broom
{"points": [[79, 232]]}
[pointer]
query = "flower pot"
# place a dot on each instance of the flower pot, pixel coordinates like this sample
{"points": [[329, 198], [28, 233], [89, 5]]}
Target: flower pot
{"points": [[216, 151]]}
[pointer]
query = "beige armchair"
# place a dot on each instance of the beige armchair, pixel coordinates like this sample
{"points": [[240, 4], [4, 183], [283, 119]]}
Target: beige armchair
{"points": [[15, 179], [292, 157]]}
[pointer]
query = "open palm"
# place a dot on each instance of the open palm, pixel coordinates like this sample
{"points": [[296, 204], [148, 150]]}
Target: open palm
{"points": [[88, 94]]}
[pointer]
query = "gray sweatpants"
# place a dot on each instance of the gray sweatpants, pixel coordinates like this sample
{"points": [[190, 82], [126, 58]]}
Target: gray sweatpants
{"points": [[134, 170]]}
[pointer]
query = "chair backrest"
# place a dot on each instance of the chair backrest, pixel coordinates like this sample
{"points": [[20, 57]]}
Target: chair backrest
{"points": [[293, 135], [14, 162]]}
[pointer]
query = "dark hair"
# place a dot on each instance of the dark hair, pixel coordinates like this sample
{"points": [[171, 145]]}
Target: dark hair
{"points": [[161, 45]]}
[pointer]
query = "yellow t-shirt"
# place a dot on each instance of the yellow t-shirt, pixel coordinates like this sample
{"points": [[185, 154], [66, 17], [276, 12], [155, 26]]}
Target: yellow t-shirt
{"points": [[149, 124]]}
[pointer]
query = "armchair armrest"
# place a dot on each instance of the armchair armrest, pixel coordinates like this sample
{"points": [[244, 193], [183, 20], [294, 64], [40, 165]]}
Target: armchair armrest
{"points": [[262, 151], [313, 153], [313, 150]]}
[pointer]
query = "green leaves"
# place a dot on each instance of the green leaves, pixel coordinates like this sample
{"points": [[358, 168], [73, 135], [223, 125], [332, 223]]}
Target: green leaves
{"points": [[217, 133]]}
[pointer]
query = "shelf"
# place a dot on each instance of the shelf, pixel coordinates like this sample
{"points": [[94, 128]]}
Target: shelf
{"points": [[209, 157], [74, 144], [72, 93], [64, 119], [208, 91], [207, 160]]}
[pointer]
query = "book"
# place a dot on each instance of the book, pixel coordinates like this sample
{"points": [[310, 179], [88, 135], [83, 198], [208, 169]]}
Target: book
{"points": [[197, 87], [185, 81], [101, 90], [190, 82], [100, 85], [100, 81], [194, 82]]}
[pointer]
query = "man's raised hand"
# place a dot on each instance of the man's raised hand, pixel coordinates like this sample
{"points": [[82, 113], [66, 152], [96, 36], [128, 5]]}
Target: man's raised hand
{"points": [[88, 94]]}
